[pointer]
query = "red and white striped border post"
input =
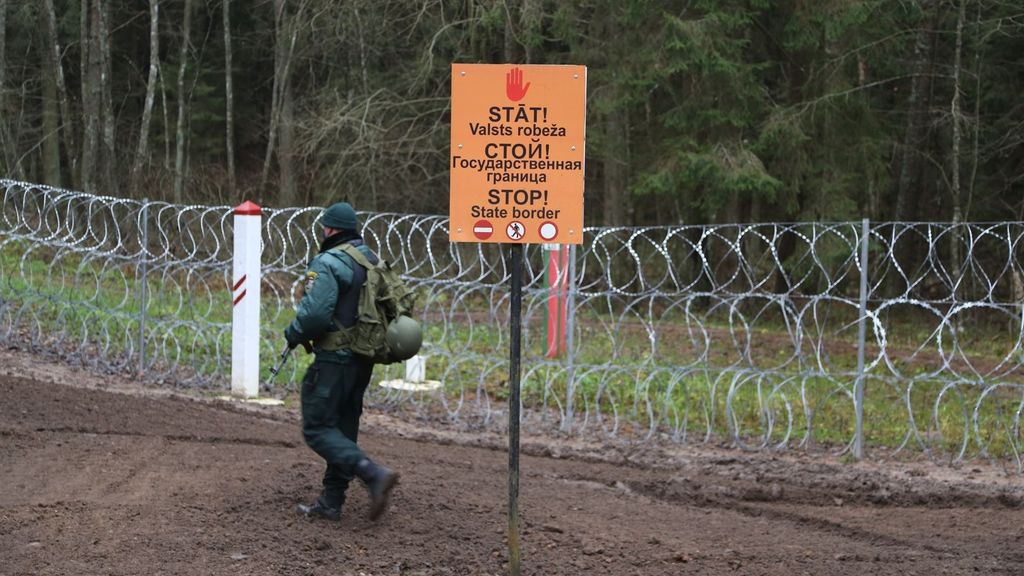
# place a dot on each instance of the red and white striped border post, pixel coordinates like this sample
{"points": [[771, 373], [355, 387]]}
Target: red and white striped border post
{"points": [[245, 301], [557, 283]]}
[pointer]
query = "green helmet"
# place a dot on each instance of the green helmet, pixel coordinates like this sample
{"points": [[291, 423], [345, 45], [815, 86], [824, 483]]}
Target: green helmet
{"points": [[404, 338]]}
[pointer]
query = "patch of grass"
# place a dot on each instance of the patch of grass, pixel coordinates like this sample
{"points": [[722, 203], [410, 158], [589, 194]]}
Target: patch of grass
{"points": [[619, 381]]}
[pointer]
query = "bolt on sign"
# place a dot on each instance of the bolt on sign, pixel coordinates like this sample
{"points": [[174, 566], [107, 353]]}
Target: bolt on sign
{"points": [[517, 153]]}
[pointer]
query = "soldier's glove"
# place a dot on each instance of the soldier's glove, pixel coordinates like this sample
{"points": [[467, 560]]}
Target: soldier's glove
{"points": [[294, 341], [292, 338]]}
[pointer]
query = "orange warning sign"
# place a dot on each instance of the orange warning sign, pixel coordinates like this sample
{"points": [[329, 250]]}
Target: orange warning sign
{"points": [[517, 153]]}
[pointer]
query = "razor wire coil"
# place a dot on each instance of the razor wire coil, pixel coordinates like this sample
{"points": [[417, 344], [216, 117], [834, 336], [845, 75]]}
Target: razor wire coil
{"points": [[745, 332]]}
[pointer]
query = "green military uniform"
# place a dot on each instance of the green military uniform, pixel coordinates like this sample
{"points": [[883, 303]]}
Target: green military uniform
{"points": [[333, 387]]}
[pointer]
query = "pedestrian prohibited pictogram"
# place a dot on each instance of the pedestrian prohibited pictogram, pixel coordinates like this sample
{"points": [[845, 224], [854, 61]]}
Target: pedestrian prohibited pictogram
{"points": [[518, 145], [548, 231], [483, 229], [515, 230]]}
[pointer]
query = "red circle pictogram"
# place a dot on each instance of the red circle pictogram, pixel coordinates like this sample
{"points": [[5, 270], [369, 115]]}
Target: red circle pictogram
{"points": [[483, 229], [548, 230]]}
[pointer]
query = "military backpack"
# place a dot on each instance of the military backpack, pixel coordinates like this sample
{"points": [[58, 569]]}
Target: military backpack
{"points": [[385, 331]]}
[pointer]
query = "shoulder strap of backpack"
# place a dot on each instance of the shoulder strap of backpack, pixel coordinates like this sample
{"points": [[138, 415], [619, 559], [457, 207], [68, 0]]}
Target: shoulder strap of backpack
{"points": [[344, 337], [356, 255]]}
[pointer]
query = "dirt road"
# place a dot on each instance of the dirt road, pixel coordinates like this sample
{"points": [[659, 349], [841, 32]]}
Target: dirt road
{"points": [[98, 481]]}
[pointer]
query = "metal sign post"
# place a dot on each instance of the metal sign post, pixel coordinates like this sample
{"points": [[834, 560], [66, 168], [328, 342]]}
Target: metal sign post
{"points": [[858, 385], [515, 350], [143, 273]]}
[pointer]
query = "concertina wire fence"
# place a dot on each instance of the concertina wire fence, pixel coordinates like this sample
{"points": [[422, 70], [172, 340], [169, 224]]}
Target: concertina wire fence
{"points": [[747, 334]]}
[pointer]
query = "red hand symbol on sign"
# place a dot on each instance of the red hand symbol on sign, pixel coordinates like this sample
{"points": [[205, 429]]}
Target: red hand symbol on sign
{"points": [[514, 88]]}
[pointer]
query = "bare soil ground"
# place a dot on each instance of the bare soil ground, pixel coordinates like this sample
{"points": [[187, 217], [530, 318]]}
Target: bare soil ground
{"points": [[104, 476]]}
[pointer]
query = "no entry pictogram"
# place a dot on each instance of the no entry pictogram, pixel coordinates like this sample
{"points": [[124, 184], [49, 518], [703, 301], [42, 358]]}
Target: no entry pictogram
{"points": [[483, 229]]}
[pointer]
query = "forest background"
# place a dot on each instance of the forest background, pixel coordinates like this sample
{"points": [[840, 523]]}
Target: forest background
{"points": [[699, 111]]}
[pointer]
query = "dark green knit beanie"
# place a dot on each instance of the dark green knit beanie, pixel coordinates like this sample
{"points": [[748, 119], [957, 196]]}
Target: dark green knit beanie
{"points": [[340, 216]]}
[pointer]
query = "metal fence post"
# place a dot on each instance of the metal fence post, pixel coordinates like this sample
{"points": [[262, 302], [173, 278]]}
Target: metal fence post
{"points": [[143, 272], [570, 327], [858, 389], [514, 406]]}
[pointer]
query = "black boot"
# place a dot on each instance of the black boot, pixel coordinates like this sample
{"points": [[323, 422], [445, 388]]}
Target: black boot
{"points": [[379, 481], [320, 510]]}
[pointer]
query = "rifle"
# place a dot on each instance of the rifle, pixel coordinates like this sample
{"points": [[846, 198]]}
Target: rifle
{"points": [[285, 354], [280, 363]]}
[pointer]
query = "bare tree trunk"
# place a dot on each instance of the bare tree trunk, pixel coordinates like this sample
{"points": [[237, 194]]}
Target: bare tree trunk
{"points": [[142, 151], [68, 124], [107, 120], [615, 162], [511, 51], [83, 75], [530, 19], [363, 72], [229, 97], [6, 143], [179, 155], [3, 49], [614, 156], [956, 113], [286, 150], [957, 251], [50, 141], [871, 210], [91, 97], [281, 119], [909, 183], [977, 116], [167, 123], [274, 92], [83, 44]]}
